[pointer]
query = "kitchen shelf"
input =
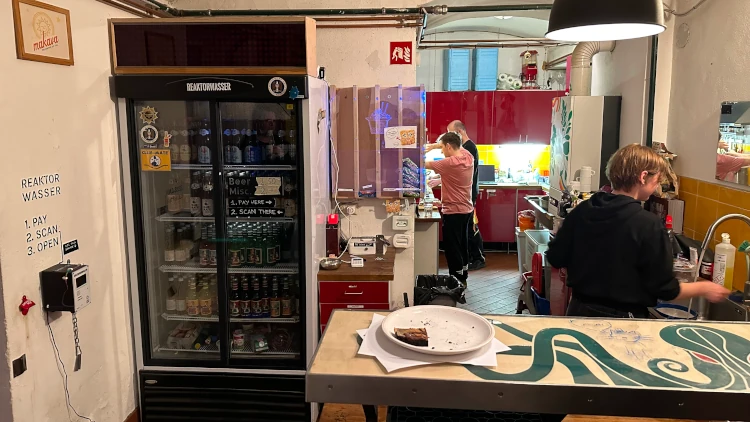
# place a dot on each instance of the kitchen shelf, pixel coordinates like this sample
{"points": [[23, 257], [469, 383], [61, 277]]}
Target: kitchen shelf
{"points": [[203, 167], [187, 218], [268, 167], [194, 269], [245, 351], [170, 317]]}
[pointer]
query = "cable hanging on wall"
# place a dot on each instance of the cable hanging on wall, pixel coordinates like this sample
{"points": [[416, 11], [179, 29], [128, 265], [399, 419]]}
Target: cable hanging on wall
{"points": [[693, 9]]}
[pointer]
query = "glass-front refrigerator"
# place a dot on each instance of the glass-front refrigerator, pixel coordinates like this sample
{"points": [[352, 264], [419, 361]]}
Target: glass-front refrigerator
{"points": [[218, 220]]}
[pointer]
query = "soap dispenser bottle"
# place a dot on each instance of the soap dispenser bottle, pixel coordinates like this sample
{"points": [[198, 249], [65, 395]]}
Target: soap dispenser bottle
{"points": [[724, 262]]}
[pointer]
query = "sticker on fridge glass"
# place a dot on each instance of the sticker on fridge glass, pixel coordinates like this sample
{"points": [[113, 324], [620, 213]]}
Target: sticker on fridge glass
{"points": [[277, 87], [401, 137], [156, 160], [148, 115], [149, 134], [167, 138]]}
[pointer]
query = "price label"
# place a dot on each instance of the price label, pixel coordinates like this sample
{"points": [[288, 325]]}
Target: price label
{"points": [[268, 186]]}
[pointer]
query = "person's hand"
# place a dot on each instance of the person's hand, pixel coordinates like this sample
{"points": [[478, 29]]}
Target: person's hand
{"points": [[434, 182], [723, 145], [715, 293], [430, 147]]}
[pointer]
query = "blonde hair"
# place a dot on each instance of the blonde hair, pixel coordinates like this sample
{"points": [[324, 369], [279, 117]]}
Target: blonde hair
{"points": [[626, 165]]}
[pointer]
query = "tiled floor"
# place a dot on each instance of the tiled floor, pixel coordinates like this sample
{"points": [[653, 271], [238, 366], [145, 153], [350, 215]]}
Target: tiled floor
{"points": [[494, 289]]}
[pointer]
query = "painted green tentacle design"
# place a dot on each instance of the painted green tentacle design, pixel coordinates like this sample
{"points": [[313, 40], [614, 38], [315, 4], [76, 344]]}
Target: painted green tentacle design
{"points": [[722, 357]]}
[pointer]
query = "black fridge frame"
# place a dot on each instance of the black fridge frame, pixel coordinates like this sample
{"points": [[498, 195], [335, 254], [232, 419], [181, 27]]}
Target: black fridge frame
{"points": [[124, 88]]}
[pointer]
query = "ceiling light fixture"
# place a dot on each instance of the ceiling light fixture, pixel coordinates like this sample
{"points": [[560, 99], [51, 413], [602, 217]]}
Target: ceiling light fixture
{"points": [[598, 20], [503, 17]]}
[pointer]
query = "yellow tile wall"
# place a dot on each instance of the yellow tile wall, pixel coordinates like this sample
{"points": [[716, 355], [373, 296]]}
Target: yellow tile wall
{"points": [[492, 155], [704, 203]]}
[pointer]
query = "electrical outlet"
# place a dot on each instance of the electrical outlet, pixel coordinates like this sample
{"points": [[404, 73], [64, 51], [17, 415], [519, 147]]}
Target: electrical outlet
{"points": [[351, 210]]}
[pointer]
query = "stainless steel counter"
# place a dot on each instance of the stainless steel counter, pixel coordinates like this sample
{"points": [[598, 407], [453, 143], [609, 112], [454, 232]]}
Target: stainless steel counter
{"points": [[509, 186]]}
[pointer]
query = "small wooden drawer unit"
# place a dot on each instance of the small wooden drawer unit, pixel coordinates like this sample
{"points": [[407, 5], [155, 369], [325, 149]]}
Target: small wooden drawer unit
{"points": [[366, 288]]}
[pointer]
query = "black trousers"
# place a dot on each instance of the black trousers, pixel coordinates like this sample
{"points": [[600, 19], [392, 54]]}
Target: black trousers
{"points": [[580, 308], [476, 244], [455, 242]]}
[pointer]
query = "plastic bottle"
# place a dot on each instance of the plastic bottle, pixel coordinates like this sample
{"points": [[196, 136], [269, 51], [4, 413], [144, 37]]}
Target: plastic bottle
{"points": [[672, 240], [724, 262]]}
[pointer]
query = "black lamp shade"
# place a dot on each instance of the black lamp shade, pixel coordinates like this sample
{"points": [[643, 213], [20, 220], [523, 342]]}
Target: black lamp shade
{"points": [[605, 20]]}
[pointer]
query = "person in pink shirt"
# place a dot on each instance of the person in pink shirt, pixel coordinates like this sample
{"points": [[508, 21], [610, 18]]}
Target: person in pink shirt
{"points": [[729, 163], [456, 172]]}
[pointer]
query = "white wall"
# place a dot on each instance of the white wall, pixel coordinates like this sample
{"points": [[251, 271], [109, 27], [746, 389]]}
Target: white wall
{"points": [[431, 62], [60, 119], [711, 68], [625, 72], [663, 80]]}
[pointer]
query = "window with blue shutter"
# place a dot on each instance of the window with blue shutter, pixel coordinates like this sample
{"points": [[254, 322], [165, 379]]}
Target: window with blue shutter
{"points": [[456, 72], [485, 69]]}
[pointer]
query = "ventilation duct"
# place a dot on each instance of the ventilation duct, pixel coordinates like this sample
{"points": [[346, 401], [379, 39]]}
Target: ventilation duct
{"points": [[580, 73]]}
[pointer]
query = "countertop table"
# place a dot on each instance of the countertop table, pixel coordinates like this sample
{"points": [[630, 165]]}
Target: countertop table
{"points": [[427, 242], [557, 365], [509, 185], [374, 269]]}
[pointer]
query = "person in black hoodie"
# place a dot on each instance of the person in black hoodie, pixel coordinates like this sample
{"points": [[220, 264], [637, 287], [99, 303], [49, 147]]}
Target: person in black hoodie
{"points": [[617, 255]]}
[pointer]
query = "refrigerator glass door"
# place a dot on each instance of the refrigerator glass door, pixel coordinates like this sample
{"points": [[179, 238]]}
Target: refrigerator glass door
{"points": [[176, 154], [262, 231]]}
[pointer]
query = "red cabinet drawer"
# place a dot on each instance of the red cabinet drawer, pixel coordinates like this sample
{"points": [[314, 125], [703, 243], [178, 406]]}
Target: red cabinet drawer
{"points": [[326, 309], [354, 292]]}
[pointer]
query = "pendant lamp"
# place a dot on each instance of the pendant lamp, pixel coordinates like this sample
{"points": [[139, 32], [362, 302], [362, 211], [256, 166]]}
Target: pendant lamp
{"points": [[605, 20]]}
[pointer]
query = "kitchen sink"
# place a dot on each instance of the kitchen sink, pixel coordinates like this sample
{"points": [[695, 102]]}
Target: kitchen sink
{"points": [[539, 204], [728, 311]]}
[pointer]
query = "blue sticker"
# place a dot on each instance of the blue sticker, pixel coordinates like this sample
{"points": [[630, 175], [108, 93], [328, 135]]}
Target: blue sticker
{"points": [[293, 92]]}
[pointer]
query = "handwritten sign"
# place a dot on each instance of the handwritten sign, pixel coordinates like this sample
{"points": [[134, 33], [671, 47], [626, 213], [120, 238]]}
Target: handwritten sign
{"points": [[268, 186], [256, 212], [401, 137], [255, 202]]}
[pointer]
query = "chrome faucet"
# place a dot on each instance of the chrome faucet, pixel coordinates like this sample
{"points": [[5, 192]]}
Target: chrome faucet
{"points": [[702, 302]]}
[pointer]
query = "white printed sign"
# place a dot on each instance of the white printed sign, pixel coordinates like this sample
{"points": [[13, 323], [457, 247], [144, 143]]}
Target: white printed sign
{"points": [[401, 137]]}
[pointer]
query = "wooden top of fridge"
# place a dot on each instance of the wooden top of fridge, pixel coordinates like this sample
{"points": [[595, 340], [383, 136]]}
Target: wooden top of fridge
{"points": [[213, 46]]}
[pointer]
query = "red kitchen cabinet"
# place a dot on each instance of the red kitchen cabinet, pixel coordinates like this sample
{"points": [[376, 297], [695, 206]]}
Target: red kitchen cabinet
{"points": [[507, 117], [477, 115], [539, 115], [494, 117], [370, 295], [522, 116], [442, 108], [497, 214]]}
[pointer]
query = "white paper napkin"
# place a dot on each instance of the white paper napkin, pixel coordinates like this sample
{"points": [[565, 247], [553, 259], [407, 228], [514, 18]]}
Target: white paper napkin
{"points": [[394, 357]]}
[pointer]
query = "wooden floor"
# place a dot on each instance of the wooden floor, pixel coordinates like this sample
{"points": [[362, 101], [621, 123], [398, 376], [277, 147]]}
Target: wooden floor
{"points": [[353, 413]]}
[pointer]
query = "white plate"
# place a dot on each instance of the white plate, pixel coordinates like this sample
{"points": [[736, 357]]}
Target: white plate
{"points": [[451, 331]]}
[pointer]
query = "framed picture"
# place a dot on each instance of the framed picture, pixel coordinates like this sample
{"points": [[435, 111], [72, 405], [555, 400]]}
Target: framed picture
{"points": [[42, 32]]}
